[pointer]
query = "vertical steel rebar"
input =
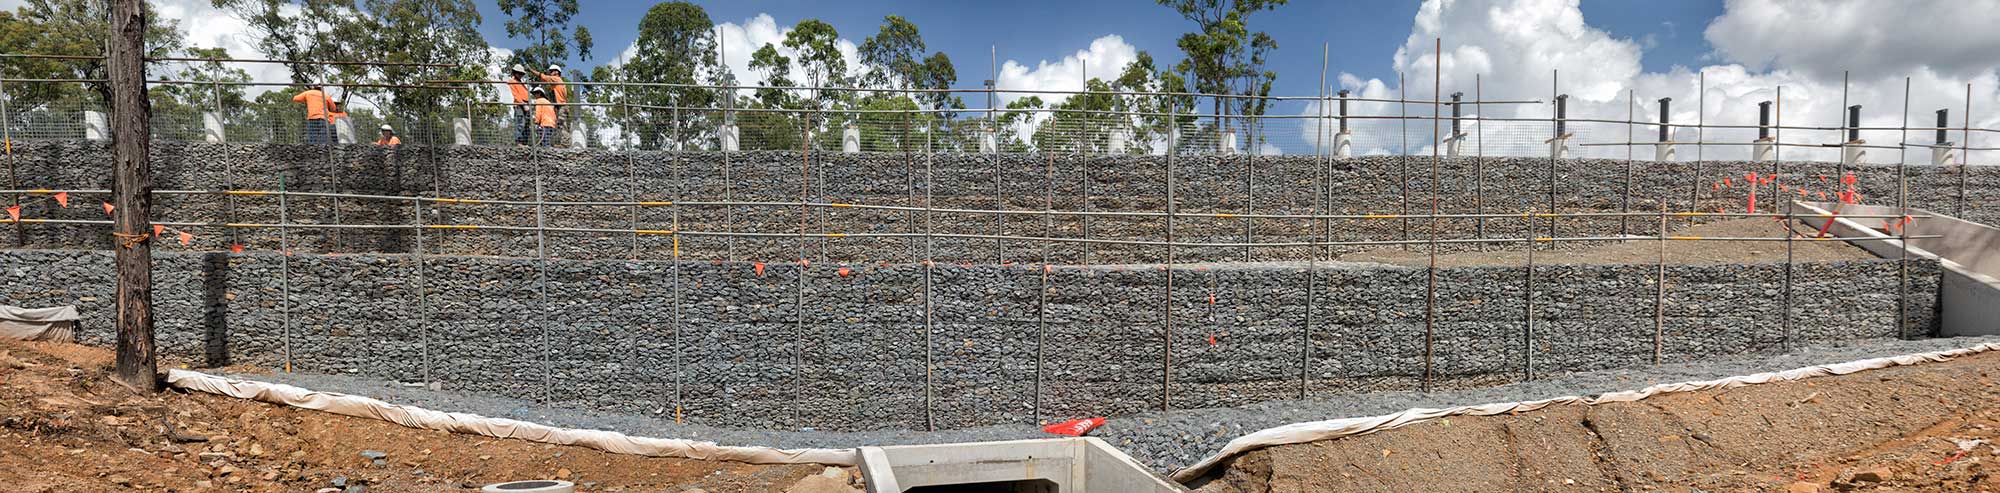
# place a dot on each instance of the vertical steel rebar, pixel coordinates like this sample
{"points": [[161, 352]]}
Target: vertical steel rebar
{"points": [[1700, 136], [1430, 290], [1312, 261], [1902, 228], [799, 284], [1625, 199], [423, 295], [1249, 184], [228, 168], [541, 278], [284, 269], [1403, 155], [1660, 289], [1555, 94], [1528, 307], [1167, 337], [7, 140], [631, 170], [910, 182], [1964, 152], [930, 266], [992, 96], [1479, 158], [1042, 303], [1777, 160], [680, 368]]}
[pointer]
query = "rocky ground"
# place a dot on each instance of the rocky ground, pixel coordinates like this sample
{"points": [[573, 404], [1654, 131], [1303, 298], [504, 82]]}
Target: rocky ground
{"points": [[66, 427], [1931, 427]]}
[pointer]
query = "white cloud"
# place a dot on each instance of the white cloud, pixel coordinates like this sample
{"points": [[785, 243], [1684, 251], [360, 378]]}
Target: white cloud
{"points": [[1801, 45], [1823, 37], [1103, 59], [208, 27], [738, 41]]}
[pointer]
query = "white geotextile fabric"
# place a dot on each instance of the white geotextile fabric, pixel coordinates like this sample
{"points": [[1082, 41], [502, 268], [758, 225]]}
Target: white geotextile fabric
{"points": [[56, 323], [1325, 430], [416, 417]]}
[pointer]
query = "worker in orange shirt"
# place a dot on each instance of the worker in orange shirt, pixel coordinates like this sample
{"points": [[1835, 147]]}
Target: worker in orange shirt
{"points": [[388, 137], [519, 90], [554, 81], [320, 112], [545, 118]]}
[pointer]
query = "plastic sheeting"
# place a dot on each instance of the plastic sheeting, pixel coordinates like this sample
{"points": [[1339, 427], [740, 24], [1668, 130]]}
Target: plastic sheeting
{"points": [[1326, 430], [38, 324], [416, 417]]}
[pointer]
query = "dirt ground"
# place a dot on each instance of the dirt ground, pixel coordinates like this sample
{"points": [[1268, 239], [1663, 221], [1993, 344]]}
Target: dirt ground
{"points": [[1928, 428], [1645, 252], [66, 427]]}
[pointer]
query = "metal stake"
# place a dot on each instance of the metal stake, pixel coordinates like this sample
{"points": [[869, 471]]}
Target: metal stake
{"points": [[930, 265], [1167, 337], [1902, 230], [1430, 291]]}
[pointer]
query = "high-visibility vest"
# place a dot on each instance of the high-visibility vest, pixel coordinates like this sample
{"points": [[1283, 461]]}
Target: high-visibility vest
{"points": [[318, 107], [545, 113], [519, 89], [389, 141], [561, 90]]}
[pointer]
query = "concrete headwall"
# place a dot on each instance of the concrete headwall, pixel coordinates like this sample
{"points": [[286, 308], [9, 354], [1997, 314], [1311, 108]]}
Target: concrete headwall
{"points": [[1203, 184], [728, 345]]}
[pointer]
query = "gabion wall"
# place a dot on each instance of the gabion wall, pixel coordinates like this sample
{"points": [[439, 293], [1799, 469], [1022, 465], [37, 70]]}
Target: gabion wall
{"points": [[1203, 184], [730, 343]]}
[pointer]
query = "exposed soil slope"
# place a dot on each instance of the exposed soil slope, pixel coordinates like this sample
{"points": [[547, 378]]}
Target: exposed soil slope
{"points": [[65, 427], [1929, 427]]}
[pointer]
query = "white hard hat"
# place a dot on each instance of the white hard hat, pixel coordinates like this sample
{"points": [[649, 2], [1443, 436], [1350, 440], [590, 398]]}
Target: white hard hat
{"points": [[385, 128], [518, 68], [555, 68]]}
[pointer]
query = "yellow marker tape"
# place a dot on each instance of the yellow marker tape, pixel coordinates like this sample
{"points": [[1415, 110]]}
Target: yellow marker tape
{"points": [[453, 226], [458, 201], [1224, 215], [677, 246], [1379, 216], [837, 204], [1683, 237], [836, 235], [655, 231], [245, 192], [656, 204], [1545, 239], [41, 190], [1690, 214], [1544, 214]]}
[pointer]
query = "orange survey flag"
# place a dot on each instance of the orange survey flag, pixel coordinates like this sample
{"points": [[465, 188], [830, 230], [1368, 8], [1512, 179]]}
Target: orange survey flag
{"points": [[62, 198]]}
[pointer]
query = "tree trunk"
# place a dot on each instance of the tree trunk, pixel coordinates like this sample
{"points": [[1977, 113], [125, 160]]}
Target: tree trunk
{"points": [[132, 190]]}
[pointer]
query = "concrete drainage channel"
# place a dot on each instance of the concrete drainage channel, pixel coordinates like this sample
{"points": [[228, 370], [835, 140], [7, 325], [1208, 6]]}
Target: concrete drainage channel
{"points": [[1059, 465], [536, 486], [1969, 252]]}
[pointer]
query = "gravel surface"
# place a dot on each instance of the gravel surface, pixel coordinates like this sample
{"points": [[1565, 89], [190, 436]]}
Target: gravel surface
{"points": [[1165, 441]]}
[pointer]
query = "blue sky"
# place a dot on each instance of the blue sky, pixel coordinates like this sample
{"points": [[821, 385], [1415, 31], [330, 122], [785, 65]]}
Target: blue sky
{"points": [[1732, 54], [1362, 35]]}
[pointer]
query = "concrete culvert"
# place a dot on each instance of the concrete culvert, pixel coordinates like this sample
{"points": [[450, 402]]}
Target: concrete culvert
{"points": [[536, 486]]}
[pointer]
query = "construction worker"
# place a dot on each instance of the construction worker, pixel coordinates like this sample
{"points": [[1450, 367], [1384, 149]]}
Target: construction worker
{"points": [[388, 137], [545, 118], [320, 112], [553, 80], [519, 90]]}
